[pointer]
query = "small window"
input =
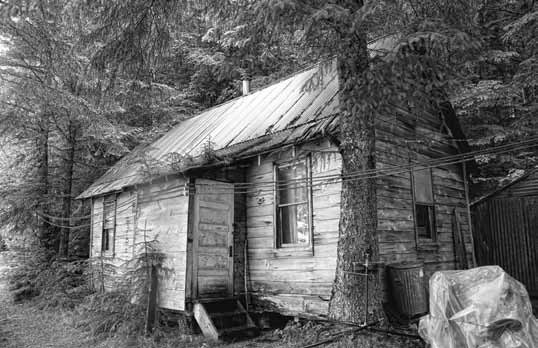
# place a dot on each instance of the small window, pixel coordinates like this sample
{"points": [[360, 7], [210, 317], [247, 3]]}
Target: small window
{"points": [[425, 220], [424, 204], [293, 204], [109, 223]]}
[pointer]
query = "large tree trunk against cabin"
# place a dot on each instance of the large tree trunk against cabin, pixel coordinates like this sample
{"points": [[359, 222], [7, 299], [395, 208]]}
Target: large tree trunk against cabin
{"points": [[68, 192], [358, 219]]}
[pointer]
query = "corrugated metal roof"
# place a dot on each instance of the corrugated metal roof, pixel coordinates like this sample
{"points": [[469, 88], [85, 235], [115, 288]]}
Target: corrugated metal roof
{"points": [[526, 189], [282, 113]]}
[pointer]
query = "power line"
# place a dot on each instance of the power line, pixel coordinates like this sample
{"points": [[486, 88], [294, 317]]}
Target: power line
{"points": [[270, 186], [365, 174], [64, 218], [490, 150], [468, 155]]}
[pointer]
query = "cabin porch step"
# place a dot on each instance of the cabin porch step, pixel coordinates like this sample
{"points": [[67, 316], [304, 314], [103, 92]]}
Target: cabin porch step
{"points": [[224, 319], [239, 332]]}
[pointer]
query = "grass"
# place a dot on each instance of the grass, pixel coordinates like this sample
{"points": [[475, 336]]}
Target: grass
{"points": [[30, 325]]}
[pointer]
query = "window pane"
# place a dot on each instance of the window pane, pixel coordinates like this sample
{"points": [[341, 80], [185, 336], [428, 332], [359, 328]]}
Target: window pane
{"points": [[425, 221], [292, 183], [105, 243], [108, 212], [294, 224], [423, 185]]}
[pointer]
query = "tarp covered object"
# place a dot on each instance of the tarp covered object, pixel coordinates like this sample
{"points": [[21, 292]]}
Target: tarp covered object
{"points": [[478, 308]]}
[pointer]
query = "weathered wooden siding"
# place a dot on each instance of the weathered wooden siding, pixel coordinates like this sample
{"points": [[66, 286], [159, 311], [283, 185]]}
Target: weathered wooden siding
{"points": [[97, 226], [506, 234], [110, 266], [402, 139], [163, 217], [293, 282], [156, 211]]}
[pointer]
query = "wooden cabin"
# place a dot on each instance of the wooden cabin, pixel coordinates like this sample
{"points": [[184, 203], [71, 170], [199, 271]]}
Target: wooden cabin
{"points": [[245, 198], [506, 229]]}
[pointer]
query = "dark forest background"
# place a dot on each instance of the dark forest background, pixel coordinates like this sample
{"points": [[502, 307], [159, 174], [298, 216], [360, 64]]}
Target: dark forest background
{"points": [[84, 82]]}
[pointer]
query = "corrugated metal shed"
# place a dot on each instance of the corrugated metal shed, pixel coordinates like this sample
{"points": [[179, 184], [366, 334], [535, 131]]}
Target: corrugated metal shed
{"points": [[506, 229], [296, 109], [525, 185]]}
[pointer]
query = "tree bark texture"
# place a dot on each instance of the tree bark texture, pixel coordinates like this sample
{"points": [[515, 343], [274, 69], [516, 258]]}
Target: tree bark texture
{"points": [[68, 193], [47, 235], [358, 216]]}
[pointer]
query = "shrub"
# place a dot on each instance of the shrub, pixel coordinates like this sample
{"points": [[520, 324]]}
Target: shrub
{"points": [[51, 283], [109, 313], [121, 309]]}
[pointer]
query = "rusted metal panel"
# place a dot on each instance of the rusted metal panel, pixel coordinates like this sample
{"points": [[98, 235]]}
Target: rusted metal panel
{"points": [[506, 231], [269, 117]]}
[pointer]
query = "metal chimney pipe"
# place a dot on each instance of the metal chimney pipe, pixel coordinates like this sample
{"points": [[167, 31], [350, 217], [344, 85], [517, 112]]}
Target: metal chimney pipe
{"points": [[246, 86]]}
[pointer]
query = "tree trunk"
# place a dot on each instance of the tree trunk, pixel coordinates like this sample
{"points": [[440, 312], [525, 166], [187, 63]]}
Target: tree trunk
{"points": [[47, 237], [358, 217], [67, 193]]}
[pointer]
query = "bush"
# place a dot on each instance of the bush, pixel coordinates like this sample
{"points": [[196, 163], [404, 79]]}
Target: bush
{"points": [[109, 313], [121, 309], [51, 283]]}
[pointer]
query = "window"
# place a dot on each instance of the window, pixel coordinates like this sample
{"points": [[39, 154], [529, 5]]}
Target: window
{"points": [[293, 204], [424, 204], [109, 223]]}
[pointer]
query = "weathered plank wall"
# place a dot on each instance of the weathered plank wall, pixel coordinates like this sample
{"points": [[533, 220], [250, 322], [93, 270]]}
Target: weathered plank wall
{"points": [[163, 217], [402, 139], [293, 282], [110, 266], [155, 211]]}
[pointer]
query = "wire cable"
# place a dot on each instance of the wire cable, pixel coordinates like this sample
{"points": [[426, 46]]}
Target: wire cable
{"points": [[271, 186]]}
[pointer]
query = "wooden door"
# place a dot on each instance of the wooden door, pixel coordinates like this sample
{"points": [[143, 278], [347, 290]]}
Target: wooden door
{"points": [[213, 239]]}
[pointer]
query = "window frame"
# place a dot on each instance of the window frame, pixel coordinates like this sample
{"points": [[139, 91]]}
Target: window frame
{"points": [[277, 232], [431, 204], [110, 251]]}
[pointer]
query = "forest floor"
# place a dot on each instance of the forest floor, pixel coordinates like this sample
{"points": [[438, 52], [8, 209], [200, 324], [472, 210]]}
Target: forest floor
{"points": [[24, 325]]}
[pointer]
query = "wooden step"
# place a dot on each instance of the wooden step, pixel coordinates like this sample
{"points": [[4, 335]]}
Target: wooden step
{"points": [[226, 314], [224, 320], [227, 321], [219, 306], [238, 332]]}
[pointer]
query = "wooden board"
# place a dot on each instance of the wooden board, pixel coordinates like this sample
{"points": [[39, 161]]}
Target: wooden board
{"points": [[213, 239], [162, 216]]}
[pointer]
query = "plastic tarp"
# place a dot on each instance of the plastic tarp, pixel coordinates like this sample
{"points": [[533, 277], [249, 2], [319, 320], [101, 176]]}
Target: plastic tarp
{"points": [[478, 308]]}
